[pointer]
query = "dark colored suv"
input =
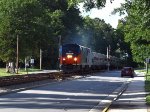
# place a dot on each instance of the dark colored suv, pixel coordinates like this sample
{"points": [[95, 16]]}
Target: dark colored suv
{"points": [[127, 71]]}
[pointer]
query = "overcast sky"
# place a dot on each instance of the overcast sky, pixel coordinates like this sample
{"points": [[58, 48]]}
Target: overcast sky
{"points": [[105, 13]]}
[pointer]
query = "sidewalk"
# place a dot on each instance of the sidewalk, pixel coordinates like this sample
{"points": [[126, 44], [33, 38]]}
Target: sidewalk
{"points": [[133, 99]]}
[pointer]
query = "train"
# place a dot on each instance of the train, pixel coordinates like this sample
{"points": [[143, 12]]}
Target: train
{"points": [[74, 57]]}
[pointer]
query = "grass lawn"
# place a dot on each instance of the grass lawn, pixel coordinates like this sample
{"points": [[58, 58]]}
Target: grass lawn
{"points": [[147, 87], [20, 72]]}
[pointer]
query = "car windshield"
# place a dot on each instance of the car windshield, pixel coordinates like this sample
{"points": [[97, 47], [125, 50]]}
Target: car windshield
{"points": [[127, 68]]}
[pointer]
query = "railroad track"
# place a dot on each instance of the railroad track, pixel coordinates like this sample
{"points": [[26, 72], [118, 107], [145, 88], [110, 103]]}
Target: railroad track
{"points": [[19, 79]]}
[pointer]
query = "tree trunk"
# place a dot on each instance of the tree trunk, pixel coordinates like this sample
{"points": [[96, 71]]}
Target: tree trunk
{"points": [[7, 68]]}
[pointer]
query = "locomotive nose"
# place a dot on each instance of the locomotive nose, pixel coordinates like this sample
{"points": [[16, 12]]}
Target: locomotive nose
{"points": [[69, 56], [70, 59]]}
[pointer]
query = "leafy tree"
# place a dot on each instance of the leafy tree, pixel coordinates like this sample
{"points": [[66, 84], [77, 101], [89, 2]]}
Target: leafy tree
{"points": [[98, 35], [137, 25], [37, 23], [124, 50], [89, 4], [15, 21], [64, 25]]}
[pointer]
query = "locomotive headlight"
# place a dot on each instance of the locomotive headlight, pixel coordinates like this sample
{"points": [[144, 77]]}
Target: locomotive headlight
{"points": [[75, 59], [69, 56], [64, 59]]}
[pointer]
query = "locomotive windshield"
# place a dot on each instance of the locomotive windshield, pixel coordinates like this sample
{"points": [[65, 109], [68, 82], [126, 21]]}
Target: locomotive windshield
{"points": [[70, 48]]}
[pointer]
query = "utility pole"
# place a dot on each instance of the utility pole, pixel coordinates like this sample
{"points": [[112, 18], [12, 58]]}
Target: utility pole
{"points": [[17, 59], [108, 57], [25, 61], [40, 59], [59, 52]]}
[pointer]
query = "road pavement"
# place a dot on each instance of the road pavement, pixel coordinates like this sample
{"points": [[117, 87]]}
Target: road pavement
{"points": [[86, 94]]}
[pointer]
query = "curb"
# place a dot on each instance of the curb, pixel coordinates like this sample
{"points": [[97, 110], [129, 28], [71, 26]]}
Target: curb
{"points": [[104, 105]]}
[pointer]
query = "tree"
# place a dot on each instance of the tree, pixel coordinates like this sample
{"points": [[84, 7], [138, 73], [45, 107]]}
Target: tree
{"points": [[37, 23], [137, 25], [98, 35], [64, 25], [89, 4]]}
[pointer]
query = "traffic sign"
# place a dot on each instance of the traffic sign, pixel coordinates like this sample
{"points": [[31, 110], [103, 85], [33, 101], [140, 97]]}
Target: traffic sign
{"points": [[147, 60]]}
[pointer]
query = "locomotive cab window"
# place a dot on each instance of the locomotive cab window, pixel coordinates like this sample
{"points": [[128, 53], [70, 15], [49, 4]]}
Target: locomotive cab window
{"points": [[70, 48]]}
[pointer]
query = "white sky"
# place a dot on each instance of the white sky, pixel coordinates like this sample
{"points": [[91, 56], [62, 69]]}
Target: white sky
{"points": [[105, 13]]}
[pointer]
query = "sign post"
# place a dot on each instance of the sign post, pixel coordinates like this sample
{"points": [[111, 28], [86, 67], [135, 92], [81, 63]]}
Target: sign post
{"points": [[32, 62]]}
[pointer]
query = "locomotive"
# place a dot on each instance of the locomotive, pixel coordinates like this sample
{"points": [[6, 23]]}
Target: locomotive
{"points": [[74, 57]]}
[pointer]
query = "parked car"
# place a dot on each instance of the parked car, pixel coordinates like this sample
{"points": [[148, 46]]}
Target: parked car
{"points": [[127, 71]]}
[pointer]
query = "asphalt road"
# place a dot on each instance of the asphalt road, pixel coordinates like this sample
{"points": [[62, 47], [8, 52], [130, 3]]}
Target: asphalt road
{"points": [[79, 95]]}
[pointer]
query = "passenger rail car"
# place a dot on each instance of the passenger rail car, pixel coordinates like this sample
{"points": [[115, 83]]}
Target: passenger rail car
{"points": [[74, 57]]}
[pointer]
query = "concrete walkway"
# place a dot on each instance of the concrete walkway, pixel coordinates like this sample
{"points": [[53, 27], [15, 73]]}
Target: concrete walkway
{"points": [[133, 99]]}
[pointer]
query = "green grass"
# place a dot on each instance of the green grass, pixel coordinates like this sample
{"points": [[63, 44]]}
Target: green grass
{"points": [[148, 99], [143, 70], [20, 72], [147, 87], [3, 72]]}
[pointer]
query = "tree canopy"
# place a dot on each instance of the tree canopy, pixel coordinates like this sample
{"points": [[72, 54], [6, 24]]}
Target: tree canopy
{"points": [[98, 35], [137, 27], [37, 23], [89, 4]]}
